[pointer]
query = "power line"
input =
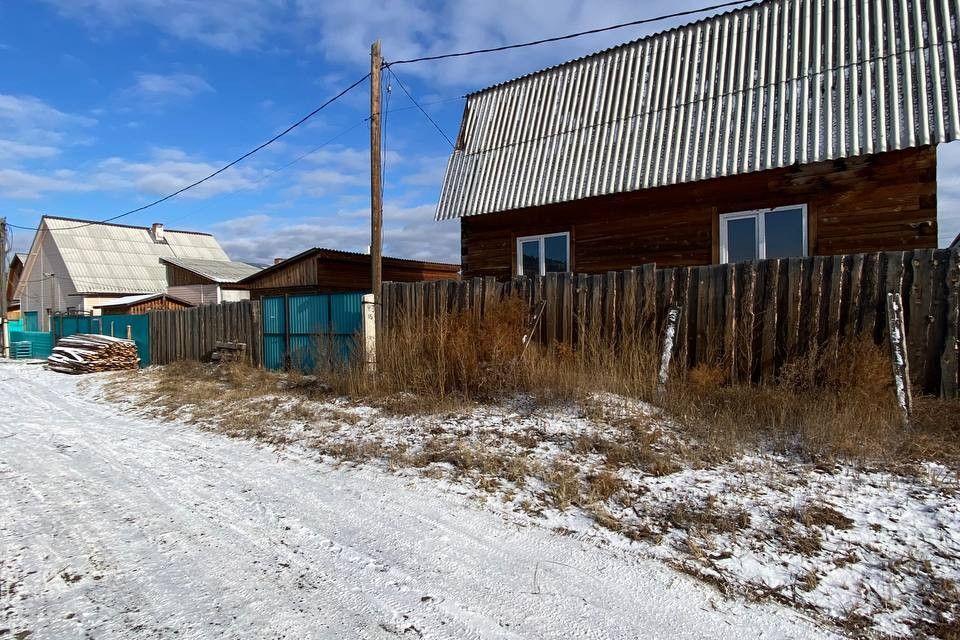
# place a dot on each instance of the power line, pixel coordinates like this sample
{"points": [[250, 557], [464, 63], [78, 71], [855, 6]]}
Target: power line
{"points": [[383, 137], [633, 23], [221, 169], [422, 110]]}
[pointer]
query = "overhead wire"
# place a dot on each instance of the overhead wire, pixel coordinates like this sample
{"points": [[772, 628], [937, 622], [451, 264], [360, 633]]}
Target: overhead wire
{"points": [[221, 169], [569, 36], [422, 110]]}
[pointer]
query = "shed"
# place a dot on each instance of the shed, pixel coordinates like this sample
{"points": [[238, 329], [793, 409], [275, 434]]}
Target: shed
{"points": [[320, 270], [200, 281], [142, 304]]}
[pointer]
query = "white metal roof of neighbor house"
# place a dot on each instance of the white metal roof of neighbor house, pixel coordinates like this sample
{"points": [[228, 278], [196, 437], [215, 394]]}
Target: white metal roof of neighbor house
{"points": [[216, 270], [113, 258], [767, 86]]}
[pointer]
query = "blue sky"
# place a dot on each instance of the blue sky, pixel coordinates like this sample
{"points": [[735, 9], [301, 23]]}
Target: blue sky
{"points": [[107, 104]]}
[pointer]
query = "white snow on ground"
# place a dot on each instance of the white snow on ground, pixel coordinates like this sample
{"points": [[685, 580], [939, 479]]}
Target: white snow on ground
{"points": [[118, 526], [876, 551]]}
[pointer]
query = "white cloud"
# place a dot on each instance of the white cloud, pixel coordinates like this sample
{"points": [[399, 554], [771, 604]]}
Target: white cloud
{"points": [[30, 120], [13, 151], [231, 25], [156, 86], [168, 170], [409, 232], [15, 183]]}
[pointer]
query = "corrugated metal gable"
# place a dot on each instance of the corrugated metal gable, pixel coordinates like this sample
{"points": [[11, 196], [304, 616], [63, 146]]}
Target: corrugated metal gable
{"points": [[105, 258], [768, 86]]}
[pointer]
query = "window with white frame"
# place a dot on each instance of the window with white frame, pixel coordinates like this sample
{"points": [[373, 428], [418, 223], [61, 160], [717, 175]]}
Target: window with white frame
{"points": [[540, 255], [780, 232]]}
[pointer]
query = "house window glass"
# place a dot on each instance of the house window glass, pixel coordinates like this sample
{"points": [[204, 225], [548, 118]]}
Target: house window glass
{"points": [[784, 233], [742, 239], [530, 257], [539, 255], [767, 233], [555, 254]]}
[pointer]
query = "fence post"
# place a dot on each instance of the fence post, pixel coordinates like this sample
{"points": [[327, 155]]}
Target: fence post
{"points": [[898, 355], [666, 351], [370, 332]]}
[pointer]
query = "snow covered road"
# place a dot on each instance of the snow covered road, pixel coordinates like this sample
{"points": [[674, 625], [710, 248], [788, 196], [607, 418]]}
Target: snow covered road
{"points": [[112, 526]]}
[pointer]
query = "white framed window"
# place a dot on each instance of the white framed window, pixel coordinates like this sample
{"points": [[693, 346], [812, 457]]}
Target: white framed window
{"points": [[540, 255], [780, 232]]}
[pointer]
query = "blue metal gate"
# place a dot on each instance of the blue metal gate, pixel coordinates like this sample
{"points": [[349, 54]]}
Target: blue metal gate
{"points": [[119, 326], [310, 331]]}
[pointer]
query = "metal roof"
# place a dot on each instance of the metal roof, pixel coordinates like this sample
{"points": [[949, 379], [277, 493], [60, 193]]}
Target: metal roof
{"points": [[113, 258], [767, 86], [127, 301], [350, 255], [215, 270]]}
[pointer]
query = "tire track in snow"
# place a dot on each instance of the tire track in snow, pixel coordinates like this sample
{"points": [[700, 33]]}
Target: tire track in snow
{"points": [[222, 538]]}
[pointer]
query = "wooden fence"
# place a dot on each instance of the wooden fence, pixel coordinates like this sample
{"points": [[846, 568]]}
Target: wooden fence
{"points": [[190, 334], [750, 317]]}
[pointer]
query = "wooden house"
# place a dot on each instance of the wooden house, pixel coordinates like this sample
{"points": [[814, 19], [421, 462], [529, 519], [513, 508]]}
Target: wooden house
{"points": [[14, 273], [331, 271], [77, 266], [785, 128], [142, 304], [204, 281]]}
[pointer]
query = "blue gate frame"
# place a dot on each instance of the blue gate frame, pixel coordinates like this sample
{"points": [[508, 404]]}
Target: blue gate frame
{"points": [[310, 331], [116, 326]]}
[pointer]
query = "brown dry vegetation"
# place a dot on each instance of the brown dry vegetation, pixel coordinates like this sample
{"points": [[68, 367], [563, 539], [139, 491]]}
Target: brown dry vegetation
{"points": [[833, 403]]}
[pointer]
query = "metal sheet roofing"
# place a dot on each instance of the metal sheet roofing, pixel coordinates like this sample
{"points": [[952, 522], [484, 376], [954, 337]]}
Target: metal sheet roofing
{"points": [[767, 86], [113, 258], [131, 300], [216, 270]]}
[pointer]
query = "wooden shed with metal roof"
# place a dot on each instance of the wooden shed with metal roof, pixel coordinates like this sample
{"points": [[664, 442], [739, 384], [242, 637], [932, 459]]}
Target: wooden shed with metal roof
{"points": [[785, 128], [321, 270]]}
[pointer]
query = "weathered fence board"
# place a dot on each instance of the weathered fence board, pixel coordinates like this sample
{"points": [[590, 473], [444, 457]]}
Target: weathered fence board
{"points": [[748, 318], [190, 334]]}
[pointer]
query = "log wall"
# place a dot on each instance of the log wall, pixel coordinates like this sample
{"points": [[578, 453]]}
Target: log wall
{"points": [[880, 202]]}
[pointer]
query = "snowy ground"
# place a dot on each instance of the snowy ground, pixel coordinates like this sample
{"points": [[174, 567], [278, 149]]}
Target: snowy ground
{"points": [[113, 525], [874, 550]]}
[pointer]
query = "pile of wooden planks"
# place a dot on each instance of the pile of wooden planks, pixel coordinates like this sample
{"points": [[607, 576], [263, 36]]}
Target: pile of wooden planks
{"points": [[89, 353]]}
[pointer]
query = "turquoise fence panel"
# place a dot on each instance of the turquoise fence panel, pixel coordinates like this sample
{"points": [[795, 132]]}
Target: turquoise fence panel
{"points": [[15, 325], [309, 314], [274, 316], [310, 331], [116, 326], [31, 321], [273, 350], [346, 314], [41, 343]]}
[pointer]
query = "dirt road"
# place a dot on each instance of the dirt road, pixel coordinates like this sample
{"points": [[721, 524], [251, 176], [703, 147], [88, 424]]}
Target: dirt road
{"points": [[112, 526]]}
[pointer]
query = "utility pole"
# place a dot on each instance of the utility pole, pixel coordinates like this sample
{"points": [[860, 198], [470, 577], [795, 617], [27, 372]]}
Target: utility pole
{"points": [[376, 179], [4, 347]]}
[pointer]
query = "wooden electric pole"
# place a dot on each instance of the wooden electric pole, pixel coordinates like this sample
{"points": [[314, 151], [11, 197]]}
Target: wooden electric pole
{"points": [[4, 347], [376, 179]]}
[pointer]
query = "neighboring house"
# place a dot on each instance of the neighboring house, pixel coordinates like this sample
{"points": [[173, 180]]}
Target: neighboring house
{"points": [[330, 271], [78, 265], [786, 128], [14, 274], [202, 281], [956, 242], [142, 304]]}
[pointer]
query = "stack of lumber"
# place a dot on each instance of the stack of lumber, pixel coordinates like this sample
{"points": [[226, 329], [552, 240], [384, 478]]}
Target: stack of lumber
{"points": [[89, 353], [228, 351]]}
